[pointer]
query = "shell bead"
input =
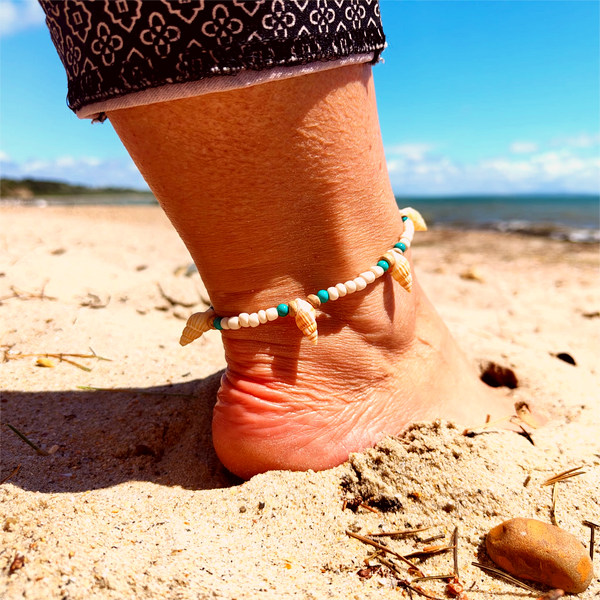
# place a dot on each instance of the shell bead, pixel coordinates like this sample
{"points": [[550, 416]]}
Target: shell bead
{"points": [[272, 313], [341, 288], [283, 310], [368, 276], [244, 319], [262, 316], [293, 308], [196, 325], [409, 230], [389, 258], [314, 300], [333, 293], [306, 321], [254, 320], [323, 295], [401, 273], [234, 323], [377, 270], [405, 241], [225, 323], [361, 284], [350, 286]]}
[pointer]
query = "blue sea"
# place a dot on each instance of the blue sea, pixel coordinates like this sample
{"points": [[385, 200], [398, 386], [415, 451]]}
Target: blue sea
{"points": [[574, 218]]}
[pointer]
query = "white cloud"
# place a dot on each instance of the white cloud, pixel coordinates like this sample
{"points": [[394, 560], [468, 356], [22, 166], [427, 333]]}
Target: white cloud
{"points": [[86, 170], [523, 147], [583, 140], [411, 151], [18, 15], [551, 171]]}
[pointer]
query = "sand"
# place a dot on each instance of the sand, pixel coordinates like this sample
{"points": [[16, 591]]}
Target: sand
{"points": [[132, 501]]}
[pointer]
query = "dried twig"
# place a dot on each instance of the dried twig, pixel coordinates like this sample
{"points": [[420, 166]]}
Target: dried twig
{"points": [[487, 424], [553, 507], [433, 538], [564, 475], [403, 532], [403, 582], [430, 551], [11, 474], [367, 507], [375, 544], [60, 357], [455, 553], [27, 440], [23, 295], [504, 576], [593, 528], [132, 391], [428, 577]]}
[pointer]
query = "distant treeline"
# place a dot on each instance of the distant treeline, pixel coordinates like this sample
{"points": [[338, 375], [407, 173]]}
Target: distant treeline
{"points": [[35, 188]]}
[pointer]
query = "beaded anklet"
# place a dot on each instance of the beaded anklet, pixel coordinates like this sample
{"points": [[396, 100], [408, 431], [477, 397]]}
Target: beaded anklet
{"points": [[304, 310]]}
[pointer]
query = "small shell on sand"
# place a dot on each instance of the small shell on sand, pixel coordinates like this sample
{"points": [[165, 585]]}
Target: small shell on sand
{"points": [[196, 325], [540, 552]]}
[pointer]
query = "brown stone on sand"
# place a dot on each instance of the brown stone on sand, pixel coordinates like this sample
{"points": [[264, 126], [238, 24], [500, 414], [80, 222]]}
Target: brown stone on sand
{"points": [[540, 552]]}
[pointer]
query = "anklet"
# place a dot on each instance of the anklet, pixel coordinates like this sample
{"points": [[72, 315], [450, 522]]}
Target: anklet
{"points": [[304, 310]]}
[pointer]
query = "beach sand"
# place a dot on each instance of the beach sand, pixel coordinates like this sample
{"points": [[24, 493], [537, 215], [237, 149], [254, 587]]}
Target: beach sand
{"points": [[132, 502]]}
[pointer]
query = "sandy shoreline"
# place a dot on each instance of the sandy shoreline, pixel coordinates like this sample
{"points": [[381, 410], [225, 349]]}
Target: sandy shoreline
{"points": [[133, 502]]}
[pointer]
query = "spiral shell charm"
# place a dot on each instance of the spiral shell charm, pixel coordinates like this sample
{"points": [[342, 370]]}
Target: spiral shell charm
{"points": [[415, 217], [196, 325], [401, 272], [306, 320]]}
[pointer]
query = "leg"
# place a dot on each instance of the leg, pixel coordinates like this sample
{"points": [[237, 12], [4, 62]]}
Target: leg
{"points": [[279, 190]]}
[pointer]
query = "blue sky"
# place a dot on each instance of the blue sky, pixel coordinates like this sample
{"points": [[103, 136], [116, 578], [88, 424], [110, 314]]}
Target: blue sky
{"points": [[473, 96]]}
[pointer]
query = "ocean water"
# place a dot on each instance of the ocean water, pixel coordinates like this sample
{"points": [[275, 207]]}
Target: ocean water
{"points": [[575, 218]]}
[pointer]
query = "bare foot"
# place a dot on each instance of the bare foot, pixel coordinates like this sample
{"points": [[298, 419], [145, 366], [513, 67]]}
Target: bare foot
{"points": [[384, 359]]}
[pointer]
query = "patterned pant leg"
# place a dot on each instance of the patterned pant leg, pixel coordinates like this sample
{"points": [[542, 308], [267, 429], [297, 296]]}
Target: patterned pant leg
{"points": [[114, 48]]}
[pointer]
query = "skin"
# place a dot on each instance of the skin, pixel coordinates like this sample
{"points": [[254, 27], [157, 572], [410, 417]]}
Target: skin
{"points": [[279, 190]]}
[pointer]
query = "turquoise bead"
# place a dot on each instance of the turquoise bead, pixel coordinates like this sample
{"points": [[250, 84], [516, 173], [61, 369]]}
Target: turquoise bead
{"points": [[400, 246], [323, 295], [384, 264], [405, 218], [283, 310], [217, 323]]}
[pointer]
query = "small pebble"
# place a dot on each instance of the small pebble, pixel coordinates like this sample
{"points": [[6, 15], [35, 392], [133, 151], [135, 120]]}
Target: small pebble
{"points": [[540, 552]]}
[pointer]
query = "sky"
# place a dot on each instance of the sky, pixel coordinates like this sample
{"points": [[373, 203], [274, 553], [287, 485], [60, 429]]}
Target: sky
{"points": [[474, 97]]}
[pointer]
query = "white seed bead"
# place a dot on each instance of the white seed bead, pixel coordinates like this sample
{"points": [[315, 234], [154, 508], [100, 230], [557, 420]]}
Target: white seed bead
{"points": [[350, 286], [361, 284], [272, 314], [406, 242], [377, 270], [253, 320], [409, 229], [341, 288], [333, 293], [244, 319], [262, 316], [225, 323], [368, 276], [234, 323]]}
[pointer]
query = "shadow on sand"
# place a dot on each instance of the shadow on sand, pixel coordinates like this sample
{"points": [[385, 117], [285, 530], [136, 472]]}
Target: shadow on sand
{"points": [[159, 434]]}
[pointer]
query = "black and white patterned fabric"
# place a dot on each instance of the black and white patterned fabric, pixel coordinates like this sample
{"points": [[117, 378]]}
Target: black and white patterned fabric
{"points": [[114, 47]]}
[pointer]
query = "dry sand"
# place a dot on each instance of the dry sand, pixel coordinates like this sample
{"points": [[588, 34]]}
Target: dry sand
{"points": [[132, 501]]}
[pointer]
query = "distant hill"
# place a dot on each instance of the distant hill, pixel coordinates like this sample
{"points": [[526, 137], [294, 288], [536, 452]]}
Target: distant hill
{"points": [[35, 188]]}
